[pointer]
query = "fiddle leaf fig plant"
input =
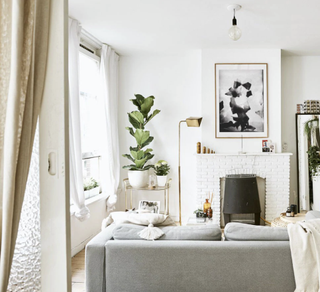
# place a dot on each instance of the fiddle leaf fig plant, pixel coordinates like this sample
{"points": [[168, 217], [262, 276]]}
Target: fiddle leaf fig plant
{"points": [[138, 119]]}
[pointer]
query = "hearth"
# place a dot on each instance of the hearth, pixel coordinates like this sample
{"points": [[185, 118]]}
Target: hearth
{"points": [[241, 196]]}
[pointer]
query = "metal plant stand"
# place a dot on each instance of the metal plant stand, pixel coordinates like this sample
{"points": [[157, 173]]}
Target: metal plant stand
{"points": [[165, 190]]}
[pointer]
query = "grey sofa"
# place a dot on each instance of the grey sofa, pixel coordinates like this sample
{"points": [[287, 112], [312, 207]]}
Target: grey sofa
{"points": [[128, 265]]}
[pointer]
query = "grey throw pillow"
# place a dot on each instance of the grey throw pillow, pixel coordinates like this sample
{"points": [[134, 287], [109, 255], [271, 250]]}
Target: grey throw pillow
{"points": [[247, 232], [207, 232]]}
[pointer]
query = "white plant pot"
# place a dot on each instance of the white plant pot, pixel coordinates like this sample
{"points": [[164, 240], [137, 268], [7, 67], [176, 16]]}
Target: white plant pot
{"points": [[87, 194], [138, 178], [162, 180], [91, 193], [95, 191]]}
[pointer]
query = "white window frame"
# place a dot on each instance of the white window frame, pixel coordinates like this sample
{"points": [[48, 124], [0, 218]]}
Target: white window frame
{"points": [[91, 47]]}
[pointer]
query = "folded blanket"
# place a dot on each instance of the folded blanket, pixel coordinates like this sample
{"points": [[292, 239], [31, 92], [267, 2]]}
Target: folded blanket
{"points": [[147, 219], [305, 253]]}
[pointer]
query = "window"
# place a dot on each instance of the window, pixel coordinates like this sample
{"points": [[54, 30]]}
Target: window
{"points": [[91, 119]]}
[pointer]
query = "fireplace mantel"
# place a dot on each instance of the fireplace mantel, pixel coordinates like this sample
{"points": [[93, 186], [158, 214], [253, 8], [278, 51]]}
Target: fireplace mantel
{"points": [[273, 167], [246, 154]]}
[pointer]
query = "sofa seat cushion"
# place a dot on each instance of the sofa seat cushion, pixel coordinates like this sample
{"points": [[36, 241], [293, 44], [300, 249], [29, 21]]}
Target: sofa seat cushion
{"points": [[206, 233], [247, 232], [313, 215]]}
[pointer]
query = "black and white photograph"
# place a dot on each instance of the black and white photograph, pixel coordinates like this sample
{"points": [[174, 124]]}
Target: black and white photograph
{"points": [[149, 206], [241, 100]]}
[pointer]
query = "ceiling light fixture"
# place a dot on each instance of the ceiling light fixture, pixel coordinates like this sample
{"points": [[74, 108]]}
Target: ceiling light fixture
{"points": [[234, 31]]}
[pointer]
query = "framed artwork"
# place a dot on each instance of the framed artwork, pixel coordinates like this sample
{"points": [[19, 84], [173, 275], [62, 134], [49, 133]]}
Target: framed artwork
{"points": [[241, 100], [149, 206]]}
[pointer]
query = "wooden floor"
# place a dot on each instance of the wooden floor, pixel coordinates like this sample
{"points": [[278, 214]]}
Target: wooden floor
{"points": [[78, 275]]}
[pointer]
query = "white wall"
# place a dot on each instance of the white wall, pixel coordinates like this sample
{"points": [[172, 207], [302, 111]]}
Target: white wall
{"points": [[300, 81], [184, 86], [82, 232], [175, 81], [209, 58]]}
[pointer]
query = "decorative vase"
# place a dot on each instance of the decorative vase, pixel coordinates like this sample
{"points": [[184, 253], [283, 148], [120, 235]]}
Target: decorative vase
{"points": [[206, 206], [162, 180], [138, 178]]}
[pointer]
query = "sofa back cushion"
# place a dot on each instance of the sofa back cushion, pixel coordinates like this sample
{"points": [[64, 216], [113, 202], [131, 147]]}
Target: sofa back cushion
{"points": [[207, 232], [247, 232], [312, 215]]}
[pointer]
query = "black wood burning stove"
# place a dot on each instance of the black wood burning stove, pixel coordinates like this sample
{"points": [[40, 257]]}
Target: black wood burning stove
{"points": [[241, 196]]}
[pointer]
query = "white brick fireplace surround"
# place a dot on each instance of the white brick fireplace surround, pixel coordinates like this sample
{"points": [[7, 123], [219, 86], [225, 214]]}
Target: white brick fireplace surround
{"points": [[273, 167]]}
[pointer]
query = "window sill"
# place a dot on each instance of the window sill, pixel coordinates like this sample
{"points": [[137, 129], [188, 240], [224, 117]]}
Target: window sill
{"points": [[89, 201]]}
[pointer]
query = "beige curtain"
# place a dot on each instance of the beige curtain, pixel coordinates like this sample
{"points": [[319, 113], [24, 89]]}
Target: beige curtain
{"points": [[23, 55]]}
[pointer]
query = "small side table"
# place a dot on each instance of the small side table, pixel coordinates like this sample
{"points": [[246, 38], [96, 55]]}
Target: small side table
{"points": [[283, 221], [165, 190]]}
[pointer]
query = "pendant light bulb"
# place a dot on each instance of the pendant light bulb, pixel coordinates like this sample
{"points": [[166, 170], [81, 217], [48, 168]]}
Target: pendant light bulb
{"points": [[234, 31]]}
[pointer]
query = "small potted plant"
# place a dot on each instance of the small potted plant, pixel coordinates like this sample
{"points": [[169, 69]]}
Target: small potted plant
{"points": [[162, 168], [91, 188], [200, 215]]}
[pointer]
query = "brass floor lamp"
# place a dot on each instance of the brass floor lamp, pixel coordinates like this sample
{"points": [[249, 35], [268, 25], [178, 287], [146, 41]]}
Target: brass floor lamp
{"points": [[191, 122]]}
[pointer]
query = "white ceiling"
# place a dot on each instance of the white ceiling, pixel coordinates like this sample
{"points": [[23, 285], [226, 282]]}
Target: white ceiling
{"points": [[169, 26]]}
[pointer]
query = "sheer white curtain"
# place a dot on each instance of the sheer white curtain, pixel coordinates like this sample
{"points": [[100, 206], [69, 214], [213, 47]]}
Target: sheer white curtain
{"points": [[76, 176], [24, 33], [109, 93]]}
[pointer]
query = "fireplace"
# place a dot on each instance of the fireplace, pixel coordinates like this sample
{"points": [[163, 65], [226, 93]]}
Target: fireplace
{"points": [[241, 196], [273, 167]]}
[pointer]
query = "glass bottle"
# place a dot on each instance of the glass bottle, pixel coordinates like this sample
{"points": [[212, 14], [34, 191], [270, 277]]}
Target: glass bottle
{"points": [[288, 213], [152, 181], [206, 206], [209, 213]]}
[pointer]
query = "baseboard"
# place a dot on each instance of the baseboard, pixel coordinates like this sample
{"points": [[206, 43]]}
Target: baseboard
{"points": [[81, 246]]}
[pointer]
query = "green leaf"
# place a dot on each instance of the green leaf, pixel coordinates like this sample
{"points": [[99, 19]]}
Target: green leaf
{"points": [[150, 139], [136, 103], [134, 154], [140, 162], [134, 122], [148, 167], [146, 106], [149, 156], [148, 150], [139, 98], [128, 156], [155, 112], [137, 154], [141, 136], [131, 167], [137, 116], [130, 130], [134, 148]]}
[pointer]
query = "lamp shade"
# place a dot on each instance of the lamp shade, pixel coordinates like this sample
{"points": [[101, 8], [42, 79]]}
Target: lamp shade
{"points": [[193, 122]]}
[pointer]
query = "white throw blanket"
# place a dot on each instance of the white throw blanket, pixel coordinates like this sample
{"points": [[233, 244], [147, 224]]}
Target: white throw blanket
{"points": [[305, 253], [147, 219]]}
